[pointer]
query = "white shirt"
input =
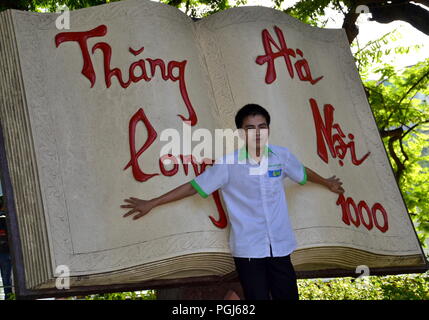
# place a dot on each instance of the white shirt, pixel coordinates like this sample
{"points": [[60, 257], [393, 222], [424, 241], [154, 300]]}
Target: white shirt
{"points": [[255, 199]]}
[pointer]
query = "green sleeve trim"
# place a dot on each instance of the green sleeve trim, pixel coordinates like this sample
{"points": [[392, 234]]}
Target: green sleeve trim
{"points": [[198, 188], [304, 180]]}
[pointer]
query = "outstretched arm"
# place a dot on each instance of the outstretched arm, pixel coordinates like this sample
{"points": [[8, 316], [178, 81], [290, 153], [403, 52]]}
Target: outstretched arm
{"points": [[141, 207], [333, 183]]}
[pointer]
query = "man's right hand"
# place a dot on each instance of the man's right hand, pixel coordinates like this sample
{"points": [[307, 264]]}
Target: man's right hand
{"points": [[139, 206]]}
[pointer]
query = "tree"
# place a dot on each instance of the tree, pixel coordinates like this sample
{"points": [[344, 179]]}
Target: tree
{"points": [[310, 11], [399, 100], [402, 287], [383, 11]]}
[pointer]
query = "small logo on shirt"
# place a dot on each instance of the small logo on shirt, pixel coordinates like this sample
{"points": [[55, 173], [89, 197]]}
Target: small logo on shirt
{"points": [[274, 173]]}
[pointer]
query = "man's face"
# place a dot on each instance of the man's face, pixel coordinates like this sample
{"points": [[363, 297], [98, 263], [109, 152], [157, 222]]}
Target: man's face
{"points": [[256, 130]]}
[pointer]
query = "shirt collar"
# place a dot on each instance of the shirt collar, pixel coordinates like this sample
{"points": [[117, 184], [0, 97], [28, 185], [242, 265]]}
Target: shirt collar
{"points": [[243, 154]]}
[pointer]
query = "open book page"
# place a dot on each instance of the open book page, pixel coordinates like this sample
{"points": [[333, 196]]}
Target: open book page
{"points": [[306, 78], [100, 97]]}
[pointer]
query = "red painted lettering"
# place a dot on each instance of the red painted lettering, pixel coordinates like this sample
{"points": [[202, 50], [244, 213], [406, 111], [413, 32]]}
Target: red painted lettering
{"points": [[325, 135], [138, 174], [108, 72], [167, 73], [358, 213], [301, 66], [81, 38]]}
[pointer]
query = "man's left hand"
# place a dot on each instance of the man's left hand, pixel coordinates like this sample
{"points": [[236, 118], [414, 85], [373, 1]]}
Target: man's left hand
{"points": [[334, 184]]}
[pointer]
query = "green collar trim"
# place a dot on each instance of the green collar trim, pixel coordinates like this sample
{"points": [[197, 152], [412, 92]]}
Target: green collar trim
{"points": [[243, 154]]}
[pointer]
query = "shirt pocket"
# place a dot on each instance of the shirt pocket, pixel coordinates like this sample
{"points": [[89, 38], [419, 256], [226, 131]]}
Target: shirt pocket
{"points": [[274, 180]]}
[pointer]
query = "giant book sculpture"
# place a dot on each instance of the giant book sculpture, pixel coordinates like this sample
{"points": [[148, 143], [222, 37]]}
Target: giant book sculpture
{"points": [[84, 115]]}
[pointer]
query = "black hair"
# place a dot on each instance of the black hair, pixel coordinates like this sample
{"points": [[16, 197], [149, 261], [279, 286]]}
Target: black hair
{"points": [[251, 110]]}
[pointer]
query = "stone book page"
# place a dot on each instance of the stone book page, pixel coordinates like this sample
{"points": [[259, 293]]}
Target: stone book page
{"points": [[101, 96], [306, 78]]}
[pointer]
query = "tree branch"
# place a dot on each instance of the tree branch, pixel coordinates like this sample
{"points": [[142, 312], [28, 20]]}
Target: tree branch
{"points": [[400, 167], [399, 134], [402, 150], [405, 95], [413, 86], [349, 23], [415, 15], [413, 127], [423, 2], [392, 133]]}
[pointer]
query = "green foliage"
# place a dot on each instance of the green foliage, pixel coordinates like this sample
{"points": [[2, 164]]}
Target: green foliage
{"points": [[400, 287], [136, 295], [374, 56], [313, 12], [202, 8], [399, 100], [307, 11], [10, 296], [194, 8]]}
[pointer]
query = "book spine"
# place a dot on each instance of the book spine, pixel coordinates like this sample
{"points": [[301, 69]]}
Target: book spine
{"points": [[35, 267], [225, 106]]}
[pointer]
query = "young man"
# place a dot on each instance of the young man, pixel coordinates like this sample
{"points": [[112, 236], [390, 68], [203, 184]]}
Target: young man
{"points": [[250, 180]]}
